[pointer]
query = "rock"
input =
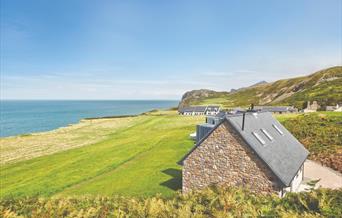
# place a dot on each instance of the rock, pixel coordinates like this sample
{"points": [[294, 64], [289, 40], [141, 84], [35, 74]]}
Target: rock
{"points": [[194, 95]]}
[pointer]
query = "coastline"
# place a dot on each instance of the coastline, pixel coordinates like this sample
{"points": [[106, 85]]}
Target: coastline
{"points": [[87, 131], [83, 120], [20, 118], [75, 125]]}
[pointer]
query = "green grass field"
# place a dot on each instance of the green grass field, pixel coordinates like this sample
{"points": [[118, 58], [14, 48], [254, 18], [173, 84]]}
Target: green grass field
{"points": [[134, 156], [137, 160]]}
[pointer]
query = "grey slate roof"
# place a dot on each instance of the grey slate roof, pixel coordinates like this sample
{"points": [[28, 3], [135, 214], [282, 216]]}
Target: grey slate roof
{"points": [[237, 110], [200, 109], [193, 109], [284, 155], [274, 108], [221, 114], [185, 109]]}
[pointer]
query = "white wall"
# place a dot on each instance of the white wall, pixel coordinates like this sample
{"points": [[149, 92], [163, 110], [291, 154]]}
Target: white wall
{"points": [[211, 112], [297, 180], [294, 184]]}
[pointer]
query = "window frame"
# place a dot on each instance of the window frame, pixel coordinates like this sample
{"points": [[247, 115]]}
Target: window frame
{"points": [[259, 138], [267, 134], [278, 129]]}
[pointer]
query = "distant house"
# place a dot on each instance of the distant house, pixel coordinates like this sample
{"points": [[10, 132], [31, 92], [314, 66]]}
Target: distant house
{"points": [[311, 107], [337, 108], [237, 110], [276, 109], [193, 111], [212, 110], [189, 111], [199, 110], [252, 150]]}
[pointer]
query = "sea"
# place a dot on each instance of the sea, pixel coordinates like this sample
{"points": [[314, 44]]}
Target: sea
{"points": [[19, 117]]}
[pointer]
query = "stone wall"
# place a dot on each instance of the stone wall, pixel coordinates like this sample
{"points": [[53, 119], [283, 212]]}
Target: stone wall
{"points": [[224, 159]]}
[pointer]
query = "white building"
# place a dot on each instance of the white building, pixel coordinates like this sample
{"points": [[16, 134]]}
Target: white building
{"points": [[337, 108], [212, 110], [311, 107], [199, 110]]}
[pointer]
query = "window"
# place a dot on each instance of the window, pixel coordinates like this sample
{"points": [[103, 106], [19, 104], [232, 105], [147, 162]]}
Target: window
{"points": [[267, 134], [257, 136], [278, 130]]}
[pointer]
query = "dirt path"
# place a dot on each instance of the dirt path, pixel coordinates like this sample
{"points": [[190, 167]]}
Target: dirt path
{"points": [[328, 177]]}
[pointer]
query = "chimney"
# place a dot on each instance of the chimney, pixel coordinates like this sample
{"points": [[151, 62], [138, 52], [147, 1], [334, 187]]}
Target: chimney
{"points": [[243, 120]]}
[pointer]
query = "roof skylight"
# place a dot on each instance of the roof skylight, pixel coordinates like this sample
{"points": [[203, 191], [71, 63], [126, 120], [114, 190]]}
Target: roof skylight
{"points": [[278, 130], [267, 134], [257, 136]]}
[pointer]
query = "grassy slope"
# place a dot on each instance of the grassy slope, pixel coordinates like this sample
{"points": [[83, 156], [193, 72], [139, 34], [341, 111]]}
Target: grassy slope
{"points": [[141, 159], [143, 154], [87, 132], [321, 133], [327, 93]]}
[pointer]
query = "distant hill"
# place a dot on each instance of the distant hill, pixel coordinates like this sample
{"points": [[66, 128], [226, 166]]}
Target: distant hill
{"points": [[324, 86], [256, 84]]}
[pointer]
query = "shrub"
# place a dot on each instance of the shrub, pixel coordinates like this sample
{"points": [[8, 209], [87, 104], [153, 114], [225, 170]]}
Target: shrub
{"points": [[321, 134], [213, 202]]}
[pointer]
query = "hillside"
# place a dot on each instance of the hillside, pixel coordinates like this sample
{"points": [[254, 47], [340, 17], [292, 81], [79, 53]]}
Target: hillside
{"points": [[133, 156], [320, 133], [324, 86]]}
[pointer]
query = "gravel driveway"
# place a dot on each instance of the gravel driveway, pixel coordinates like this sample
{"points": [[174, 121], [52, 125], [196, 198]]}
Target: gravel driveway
{"points": [[328, 178]]}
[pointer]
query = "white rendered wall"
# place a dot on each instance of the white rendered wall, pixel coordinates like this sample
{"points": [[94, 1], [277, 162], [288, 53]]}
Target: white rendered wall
{"points": [[297, 180]]}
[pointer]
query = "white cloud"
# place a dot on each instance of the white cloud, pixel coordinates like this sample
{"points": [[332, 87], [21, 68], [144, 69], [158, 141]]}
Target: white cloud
{"points": [[91, 85], [68, 86]]}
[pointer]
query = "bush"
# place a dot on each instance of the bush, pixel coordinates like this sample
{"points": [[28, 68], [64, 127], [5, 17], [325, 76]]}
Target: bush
{"points": [[213, 202], [321, 134]]}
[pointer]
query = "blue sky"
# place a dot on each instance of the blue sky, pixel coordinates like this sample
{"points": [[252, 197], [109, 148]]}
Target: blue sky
{"points": [[69, 49]]}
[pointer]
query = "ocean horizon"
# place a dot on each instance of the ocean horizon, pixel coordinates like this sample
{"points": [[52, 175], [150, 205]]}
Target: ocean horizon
{"points": [[19, 117]]}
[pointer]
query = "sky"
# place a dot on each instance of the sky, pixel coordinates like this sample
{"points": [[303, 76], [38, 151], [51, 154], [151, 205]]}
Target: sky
{"points": [[149, 49]]}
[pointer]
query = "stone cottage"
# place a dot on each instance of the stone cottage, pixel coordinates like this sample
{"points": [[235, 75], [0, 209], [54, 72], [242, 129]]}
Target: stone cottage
{"points": [[251, 150]]}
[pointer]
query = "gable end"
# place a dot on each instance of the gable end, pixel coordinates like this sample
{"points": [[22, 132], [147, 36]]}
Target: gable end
{"points": [[223, 158]]}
